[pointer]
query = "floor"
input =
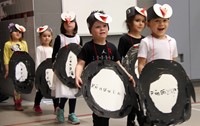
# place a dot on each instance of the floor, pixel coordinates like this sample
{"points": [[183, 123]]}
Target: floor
{"points": [[10, 117]]}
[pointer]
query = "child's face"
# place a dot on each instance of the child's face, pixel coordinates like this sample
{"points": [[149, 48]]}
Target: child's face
{"points": [[46, 37], [99, 30], [16, 35], [138, 23], [69, 26], [158, 27]]}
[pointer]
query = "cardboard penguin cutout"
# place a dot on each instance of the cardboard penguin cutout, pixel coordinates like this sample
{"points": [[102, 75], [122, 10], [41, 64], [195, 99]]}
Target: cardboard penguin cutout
{"points": [[22, 71], [44, 78], [130, 62], [107, 89], [165, 91], [65, 63]]}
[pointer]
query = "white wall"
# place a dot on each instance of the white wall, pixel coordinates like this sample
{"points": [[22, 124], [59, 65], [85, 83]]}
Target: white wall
{"points": [[115, 8]]}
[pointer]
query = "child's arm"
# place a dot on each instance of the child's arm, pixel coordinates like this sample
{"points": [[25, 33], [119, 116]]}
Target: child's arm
{"points": [[26, 47], [6, 71], [6, 59], [141, 63], [78, 71], [129, 75]]}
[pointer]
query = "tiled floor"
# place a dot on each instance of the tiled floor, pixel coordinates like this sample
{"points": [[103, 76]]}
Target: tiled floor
{"points": [[10, 117]]}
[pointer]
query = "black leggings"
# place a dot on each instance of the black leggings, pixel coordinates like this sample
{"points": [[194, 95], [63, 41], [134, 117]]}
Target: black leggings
{"points": [[134, 112], [72, 104], [100, 121], [58, 102], [39, 97]]}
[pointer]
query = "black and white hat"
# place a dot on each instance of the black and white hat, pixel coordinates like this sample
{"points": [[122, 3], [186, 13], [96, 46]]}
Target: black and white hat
{"points": [[68, 16], [16, 27], [135, 10], [159, 11], [98, 16]]}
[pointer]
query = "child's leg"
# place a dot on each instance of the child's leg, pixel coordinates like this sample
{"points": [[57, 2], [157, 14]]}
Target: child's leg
{"points": [[72, 118], [55, 102], [60, 110], [100, 121], [72, 105], [17, 101], [62, 103], [131, 117], [38, 98]]}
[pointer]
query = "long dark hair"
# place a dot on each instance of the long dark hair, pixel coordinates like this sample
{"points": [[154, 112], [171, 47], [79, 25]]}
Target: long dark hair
{"points": [[63, 30]]}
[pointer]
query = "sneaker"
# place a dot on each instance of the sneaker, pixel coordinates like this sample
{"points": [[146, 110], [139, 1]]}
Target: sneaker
{"points": [[18, 107], [60, 115], [73, 119], [37, 109]]}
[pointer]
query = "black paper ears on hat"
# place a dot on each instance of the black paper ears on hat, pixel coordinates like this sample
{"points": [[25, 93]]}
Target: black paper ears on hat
{"points": [[68, 16], [16, 27], [135, 10], [159, 11]]}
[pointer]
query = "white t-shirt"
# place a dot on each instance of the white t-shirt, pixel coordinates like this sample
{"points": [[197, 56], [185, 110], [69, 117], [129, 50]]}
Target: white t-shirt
{"points": [[42, 53], [152, 48]]}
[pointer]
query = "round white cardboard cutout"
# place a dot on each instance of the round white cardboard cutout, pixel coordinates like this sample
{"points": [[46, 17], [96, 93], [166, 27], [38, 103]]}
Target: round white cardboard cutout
{"points": [[49, 77], [71, 64], [108, 90], [164, 93], [21, 73]]}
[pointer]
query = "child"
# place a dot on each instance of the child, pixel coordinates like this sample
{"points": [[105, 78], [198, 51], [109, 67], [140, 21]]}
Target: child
{"points": [[16, 43], [43, 52], [97, 49], [68, 35], [135, 22], [158, 45]]}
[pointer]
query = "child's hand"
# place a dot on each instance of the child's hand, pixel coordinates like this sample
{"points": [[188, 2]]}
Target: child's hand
{"points": [[79, 82], [132, 81]]}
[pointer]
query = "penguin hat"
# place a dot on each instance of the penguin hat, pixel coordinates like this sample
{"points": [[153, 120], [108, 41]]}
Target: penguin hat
{"points": [[42, 28], [131, 11], [159, 11], [68, 17], [16, 27], [98, 16]]}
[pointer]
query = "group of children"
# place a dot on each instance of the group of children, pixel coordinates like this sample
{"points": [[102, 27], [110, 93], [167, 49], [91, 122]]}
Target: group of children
{"points": [[157, 45]]}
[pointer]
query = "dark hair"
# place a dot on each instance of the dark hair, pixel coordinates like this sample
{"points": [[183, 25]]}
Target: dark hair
{"points": [[63, 30], [130, 19], [91, 19]]}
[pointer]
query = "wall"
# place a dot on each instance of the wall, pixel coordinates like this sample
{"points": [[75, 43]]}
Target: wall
{"points": [[116, 9], [47, 12], [194, 32]]}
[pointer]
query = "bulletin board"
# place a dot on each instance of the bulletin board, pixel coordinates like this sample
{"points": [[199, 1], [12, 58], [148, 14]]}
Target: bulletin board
{"points": [[115, 8]]}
